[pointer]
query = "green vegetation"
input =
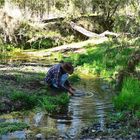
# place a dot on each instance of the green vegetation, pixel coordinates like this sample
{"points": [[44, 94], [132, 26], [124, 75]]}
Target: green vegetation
{"points": [[129, 98], [43, 43], [6, 127], [3, 51], [23, 100], [23, 91], [22, 74], [104, 60], [28, 101], [55, 103], [74, 78], [8, 51]]}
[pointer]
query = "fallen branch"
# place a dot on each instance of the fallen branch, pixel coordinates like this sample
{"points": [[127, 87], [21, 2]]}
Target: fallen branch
{"points": [[109, 33], [82, 30], [68, 47], [91, 34], [78, 44]]}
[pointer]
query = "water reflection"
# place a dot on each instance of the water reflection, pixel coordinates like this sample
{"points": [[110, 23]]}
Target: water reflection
{"points": [[17, 134], [81, 112], [85, 109]]}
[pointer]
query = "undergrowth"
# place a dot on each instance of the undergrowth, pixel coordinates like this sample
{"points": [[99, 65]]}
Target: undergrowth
{"points": [[54, 103], [129, 97]]}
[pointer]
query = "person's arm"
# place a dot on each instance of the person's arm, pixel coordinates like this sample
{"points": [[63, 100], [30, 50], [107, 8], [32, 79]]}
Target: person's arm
{"points": [[69, 87]]}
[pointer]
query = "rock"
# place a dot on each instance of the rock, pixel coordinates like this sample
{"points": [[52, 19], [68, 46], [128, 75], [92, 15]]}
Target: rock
{"points": [[39, 137], [105, 87], [93, 130]]}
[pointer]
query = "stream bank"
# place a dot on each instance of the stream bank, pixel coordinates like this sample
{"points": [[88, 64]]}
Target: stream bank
{"points": [[81, 111]]}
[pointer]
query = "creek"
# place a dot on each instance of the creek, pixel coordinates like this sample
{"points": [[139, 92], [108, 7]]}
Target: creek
{"points": [[80, 113]]}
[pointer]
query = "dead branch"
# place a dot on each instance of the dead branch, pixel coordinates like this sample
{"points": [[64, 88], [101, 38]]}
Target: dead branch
{"points": [[91, 34]]}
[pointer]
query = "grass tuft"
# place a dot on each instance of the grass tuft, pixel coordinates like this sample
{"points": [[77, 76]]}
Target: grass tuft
{"points": [[54, 103], [129, 98], [6, 127]]}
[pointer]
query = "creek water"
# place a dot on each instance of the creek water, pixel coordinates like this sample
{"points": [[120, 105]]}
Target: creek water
{"points": [[82, 111]]}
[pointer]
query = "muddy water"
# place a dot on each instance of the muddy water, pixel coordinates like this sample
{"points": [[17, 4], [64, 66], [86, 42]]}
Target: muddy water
{"points": [[81, 112]]}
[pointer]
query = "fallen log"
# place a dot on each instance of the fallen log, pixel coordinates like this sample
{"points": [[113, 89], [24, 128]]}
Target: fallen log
{"points": [[82, 30], [109, 33], [91, 34], [78, 44], [67, 47]]}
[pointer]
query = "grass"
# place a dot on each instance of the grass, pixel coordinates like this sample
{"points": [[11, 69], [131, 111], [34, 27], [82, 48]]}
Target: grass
{"points": [[28, 101], [54, 103], [103, 60], [9, 52], [127, 105], [24, 90], [74, 78], [37, 98], [129, 98], [6, 127]]}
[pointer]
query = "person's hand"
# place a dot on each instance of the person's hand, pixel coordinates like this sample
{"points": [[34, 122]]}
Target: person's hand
{"points": [[71, 91], [70, 86]]}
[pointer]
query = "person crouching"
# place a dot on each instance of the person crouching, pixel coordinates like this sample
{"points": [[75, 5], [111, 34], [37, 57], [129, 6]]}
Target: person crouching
{"points": [[57, 77]]}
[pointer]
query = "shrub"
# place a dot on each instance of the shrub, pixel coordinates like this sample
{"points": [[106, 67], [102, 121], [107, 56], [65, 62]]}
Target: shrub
{"points": [[126, 24], [43, 43], [74, 78]]}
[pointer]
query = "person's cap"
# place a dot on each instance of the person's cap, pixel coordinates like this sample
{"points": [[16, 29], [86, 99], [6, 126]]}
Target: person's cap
{"points": [[67, 67]]}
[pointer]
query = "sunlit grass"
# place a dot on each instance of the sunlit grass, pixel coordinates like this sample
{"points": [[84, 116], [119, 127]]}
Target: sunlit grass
{"points": [[102, 60], [74, 78], [10, 53], [129, 98]]}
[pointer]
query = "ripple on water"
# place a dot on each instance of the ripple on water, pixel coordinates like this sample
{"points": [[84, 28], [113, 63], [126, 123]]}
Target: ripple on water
{"points": [[80, 93], [83, 108]]}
